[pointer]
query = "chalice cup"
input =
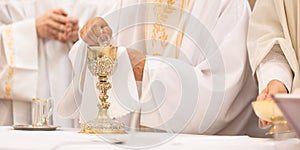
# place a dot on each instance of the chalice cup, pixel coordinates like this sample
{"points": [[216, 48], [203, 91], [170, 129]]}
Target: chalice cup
{"points": [[269, 111], [101, 62]]}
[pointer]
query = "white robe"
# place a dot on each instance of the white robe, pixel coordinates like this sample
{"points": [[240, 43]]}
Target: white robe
{"points": [[30, 67], [206, 90], [283, 18]]}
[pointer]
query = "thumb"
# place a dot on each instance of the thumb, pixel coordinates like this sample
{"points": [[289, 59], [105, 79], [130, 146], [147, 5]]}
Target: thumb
{"points": [[262, 95]]}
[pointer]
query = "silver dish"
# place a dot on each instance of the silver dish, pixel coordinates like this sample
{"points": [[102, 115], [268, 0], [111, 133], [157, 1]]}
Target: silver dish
{"points": [[30, 127]]}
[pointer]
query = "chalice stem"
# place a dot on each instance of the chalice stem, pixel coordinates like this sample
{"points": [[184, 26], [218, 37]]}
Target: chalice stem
{"points": [[103, 86]]}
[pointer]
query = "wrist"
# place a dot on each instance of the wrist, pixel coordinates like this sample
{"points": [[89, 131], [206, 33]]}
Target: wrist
{"points": [[138, 71], [279, 85]]}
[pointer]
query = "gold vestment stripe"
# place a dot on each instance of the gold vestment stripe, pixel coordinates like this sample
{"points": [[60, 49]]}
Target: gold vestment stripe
{"points": [[10, 72]]}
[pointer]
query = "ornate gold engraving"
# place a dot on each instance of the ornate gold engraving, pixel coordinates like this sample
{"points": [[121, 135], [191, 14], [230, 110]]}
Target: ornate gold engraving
{"points": [[160, 34]]}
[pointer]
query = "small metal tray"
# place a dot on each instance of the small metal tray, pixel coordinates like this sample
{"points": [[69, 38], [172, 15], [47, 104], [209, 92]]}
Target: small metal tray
{"points": [[30, 127]]}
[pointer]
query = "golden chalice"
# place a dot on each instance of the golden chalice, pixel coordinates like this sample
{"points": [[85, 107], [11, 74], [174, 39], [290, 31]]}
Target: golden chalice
{"points": [[268, 110], [101, 62]]}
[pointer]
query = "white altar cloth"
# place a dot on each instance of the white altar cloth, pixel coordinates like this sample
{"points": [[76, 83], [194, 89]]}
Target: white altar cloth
{"points": [[70, 139]]}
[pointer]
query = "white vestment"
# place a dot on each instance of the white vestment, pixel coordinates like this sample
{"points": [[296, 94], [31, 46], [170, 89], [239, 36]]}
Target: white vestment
{"points": [[274, 27], [205, 88], [30, 67]]}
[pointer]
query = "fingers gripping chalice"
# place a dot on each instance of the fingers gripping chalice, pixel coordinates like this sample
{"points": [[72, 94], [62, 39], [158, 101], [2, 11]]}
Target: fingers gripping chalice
{"points": [[101, 62]]}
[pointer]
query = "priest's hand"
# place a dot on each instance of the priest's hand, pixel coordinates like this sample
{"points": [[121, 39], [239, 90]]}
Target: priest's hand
{"points": [[51, 25], [93, 29], [273, 87], [137, 61], [71, 29]]}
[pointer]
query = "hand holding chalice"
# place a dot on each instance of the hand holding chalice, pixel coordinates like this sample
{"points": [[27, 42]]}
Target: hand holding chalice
{"points": [[101, 62]]}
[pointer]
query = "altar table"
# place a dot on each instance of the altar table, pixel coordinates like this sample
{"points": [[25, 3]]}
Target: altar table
{"points": [[71, 139]]}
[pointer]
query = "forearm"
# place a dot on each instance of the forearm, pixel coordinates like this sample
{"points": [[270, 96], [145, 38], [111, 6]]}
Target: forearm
{"points": [[274, 67], [137, 62]]}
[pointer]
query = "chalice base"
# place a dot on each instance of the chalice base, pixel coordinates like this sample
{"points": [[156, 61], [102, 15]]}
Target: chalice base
{"points": [[279, 125], [103, 125]]}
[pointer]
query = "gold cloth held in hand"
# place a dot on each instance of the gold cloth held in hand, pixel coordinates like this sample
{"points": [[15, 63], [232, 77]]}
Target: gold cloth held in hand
{"points": [[269, 111]]}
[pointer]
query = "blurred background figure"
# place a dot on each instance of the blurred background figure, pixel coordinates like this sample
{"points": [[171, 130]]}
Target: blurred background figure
{"points": [[35, 38]]}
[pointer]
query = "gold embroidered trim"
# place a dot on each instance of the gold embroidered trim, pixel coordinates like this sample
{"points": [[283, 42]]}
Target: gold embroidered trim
{"points": [[162, 13], [10, 72], [162, 10]]}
